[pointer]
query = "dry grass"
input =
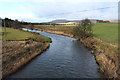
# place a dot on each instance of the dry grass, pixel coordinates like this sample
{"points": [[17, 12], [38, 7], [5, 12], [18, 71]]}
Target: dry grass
{"points": [[17, 53]]}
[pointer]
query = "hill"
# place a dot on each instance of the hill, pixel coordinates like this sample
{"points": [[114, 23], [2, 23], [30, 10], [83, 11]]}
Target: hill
{"points": [[60, 21]]}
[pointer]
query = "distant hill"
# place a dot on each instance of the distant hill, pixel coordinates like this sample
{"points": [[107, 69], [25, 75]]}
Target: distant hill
{"points": [[60, 21]]}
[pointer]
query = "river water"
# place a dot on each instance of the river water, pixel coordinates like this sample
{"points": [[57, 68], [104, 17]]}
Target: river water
{"points": [[65, 58]]}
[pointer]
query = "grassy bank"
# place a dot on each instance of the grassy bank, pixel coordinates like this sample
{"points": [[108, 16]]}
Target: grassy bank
{"points": [[106, 55], [14, 34], [19, 47], [104, 44]]}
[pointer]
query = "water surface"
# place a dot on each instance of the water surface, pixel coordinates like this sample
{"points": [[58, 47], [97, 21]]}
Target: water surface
{"points": [[66, 58]]}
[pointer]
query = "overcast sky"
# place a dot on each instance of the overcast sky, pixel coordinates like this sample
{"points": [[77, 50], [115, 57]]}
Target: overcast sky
{"points": [[47, 10]]}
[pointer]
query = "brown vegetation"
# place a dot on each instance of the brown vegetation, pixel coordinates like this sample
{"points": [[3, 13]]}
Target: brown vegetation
{"points": [[106, 56], [17, 53]]}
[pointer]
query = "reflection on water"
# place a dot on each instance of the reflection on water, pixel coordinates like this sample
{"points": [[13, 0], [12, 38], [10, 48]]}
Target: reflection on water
{"points": [[66, 58]]}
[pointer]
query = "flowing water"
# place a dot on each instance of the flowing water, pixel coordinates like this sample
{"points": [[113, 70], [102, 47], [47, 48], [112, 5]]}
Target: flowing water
{"points": [[65, 58]]}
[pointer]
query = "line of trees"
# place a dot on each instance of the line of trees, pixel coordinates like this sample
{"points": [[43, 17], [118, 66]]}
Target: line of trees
{"points": [[11, 23], [29, 23], [16, 24]]}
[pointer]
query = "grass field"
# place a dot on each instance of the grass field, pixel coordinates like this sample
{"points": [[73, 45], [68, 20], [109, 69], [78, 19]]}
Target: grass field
{"points": [[105, 31], [14, 34]]}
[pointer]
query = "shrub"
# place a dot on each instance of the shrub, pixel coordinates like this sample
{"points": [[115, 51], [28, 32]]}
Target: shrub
{"points": [[84, 29]]}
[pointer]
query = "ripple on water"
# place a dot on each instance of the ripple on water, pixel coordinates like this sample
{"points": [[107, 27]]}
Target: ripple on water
{"points": [[65, 58]]}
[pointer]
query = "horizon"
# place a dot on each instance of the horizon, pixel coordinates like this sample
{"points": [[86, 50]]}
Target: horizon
{"points": [[59, 19]]}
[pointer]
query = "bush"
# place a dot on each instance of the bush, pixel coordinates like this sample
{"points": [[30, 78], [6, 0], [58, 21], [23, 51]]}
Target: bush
{"points": [[84, 29]]}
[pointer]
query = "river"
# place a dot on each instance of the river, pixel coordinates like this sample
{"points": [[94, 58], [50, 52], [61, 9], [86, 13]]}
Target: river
{"points": [[65, 58]]}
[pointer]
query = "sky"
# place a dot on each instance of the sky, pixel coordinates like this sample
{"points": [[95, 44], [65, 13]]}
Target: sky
{"points": [[47, 10]]}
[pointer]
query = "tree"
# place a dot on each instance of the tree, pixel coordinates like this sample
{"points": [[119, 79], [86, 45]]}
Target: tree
{"points": [[84, 29], [16, 24], [7, 22]]}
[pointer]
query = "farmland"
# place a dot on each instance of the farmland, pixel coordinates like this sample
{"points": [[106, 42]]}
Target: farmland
{"points": [[105, 31]]}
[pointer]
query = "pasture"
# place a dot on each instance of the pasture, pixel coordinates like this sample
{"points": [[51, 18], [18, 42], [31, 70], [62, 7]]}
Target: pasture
{"points": [[15, 34]]}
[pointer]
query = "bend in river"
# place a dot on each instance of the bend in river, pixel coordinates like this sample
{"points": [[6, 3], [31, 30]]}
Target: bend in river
{"points": [[66, 58]]}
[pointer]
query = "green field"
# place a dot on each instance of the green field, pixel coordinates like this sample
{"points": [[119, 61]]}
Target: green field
{"points": [[106, 31], [14, 34]]}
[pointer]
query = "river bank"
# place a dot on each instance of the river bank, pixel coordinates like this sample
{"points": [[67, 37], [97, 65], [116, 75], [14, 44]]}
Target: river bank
{"points": [[16, 53], [105, 53]]}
